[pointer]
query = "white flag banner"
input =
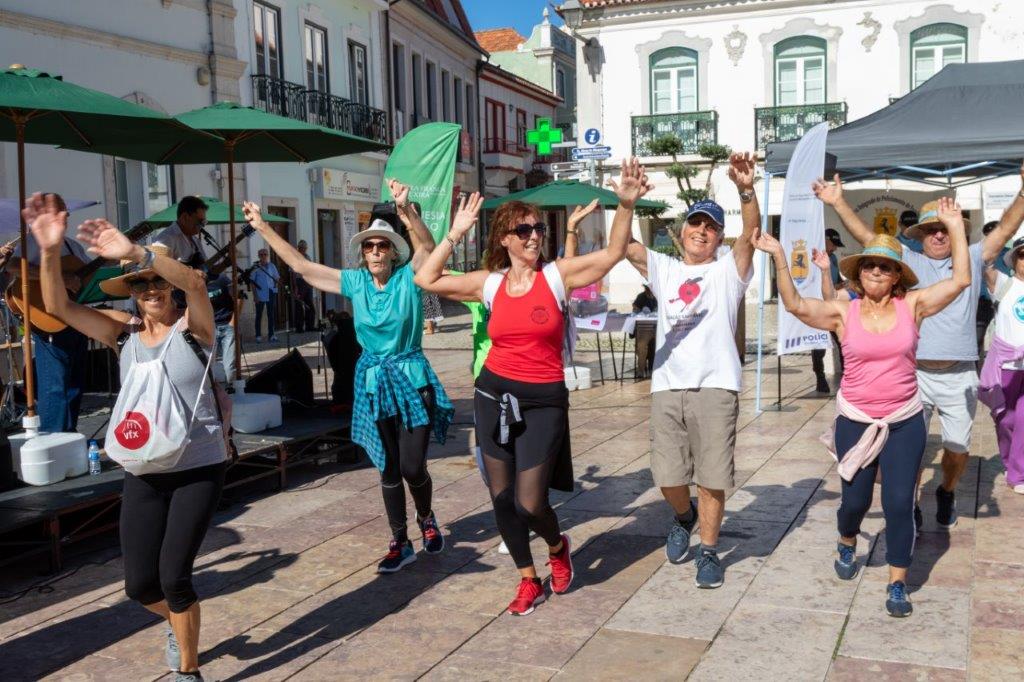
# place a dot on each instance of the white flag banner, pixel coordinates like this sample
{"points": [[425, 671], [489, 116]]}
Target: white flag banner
{"points": [[803, 229]]}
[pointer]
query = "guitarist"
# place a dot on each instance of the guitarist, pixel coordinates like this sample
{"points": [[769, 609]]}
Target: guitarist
{"points": [[182, 236], [60, 358]]}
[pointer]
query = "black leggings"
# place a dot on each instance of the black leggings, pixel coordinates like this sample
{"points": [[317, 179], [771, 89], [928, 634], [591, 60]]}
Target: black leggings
{"points": [[164, 518], [899, 460], [405, 458], [519, 472]]}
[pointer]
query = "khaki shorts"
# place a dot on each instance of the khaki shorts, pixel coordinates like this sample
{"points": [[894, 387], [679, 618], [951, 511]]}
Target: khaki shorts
{"points": [[693, 437], [953, 393]]}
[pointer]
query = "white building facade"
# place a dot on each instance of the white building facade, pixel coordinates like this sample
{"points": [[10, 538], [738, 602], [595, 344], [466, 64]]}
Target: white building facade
{"points": [[749, 72]]}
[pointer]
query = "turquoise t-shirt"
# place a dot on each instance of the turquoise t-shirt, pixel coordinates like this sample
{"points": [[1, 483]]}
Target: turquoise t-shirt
{"points": [[388, 321]]}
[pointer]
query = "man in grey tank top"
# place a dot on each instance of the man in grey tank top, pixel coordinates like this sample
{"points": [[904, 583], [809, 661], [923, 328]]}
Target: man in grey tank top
{"points": [[947, 352]]}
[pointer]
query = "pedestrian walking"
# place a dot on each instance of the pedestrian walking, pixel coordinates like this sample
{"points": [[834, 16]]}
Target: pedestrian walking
{"points": [[398, 399], [264, 278], [175, 472], [1002, 376], [879, 424], [947, 356], [521, 401], [696, 379]]}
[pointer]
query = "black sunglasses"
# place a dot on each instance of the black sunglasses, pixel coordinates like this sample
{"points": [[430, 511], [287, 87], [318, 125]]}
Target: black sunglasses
{"points": [[698, 220], [141, 286], [383, 246], [524, 230]]}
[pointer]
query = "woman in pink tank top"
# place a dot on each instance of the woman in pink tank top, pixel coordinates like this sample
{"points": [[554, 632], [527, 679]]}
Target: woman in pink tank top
{"points": [[879, 424]]}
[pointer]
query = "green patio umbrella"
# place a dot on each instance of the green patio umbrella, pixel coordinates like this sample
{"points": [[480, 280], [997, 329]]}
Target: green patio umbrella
{"points": [[41, 108], [216, 214], [566, 193]]}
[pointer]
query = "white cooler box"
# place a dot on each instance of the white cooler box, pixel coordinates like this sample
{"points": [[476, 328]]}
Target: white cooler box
{"points": [[45, 458], [577, 378], [254, 412]]}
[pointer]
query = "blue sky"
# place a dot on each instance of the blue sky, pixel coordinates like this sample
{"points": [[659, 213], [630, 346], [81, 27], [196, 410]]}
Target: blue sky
{"points": [[521, 15]]}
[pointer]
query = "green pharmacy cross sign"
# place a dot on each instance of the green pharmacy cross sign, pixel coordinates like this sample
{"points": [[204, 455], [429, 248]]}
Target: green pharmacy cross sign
{"points": [[544, 136]]}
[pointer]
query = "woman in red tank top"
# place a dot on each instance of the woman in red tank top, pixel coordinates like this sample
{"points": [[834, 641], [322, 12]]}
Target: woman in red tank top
{"points": [[879, 335], [521, 403]]}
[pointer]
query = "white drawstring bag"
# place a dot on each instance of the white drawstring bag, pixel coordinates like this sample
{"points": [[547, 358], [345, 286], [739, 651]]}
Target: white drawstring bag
{"points": [[150, 424]]}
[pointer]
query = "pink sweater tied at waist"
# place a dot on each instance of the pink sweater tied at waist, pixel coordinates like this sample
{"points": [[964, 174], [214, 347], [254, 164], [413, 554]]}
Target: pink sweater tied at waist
{"points": [[872, 440]]}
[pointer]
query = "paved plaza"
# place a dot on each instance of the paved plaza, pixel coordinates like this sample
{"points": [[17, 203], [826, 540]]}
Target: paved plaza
{"points": [[290, 589]]}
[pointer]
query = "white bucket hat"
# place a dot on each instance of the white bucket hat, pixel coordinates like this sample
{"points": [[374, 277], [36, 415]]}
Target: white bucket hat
{"points": [[380, 228]]}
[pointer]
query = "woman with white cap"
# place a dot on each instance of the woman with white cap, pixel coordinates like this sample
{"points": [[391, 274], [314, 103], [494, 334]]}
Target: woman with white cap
{"points": [[398, 399], [879, 423]]}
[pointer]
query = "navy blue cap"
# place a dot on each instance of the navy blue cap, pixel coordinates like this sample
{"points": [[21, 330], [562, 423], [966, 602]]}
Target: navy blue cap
{"points": [[709, 208]]}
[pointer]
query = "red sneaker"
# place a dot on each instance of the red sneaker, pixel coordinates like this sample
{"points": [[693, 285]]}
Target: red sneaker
{"points": [[528, 595], [561, 568]]}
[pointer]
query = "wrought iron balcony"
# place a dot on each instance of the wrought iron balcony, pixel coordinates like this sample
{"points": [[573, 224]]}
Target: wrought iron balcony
{"points": [[694, 128], [292, 100], [778, 124]]}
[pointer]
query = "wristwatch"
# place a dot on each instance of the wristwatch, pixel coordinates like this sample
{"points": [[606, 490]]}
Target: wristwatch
{"points": [[745, 197]]}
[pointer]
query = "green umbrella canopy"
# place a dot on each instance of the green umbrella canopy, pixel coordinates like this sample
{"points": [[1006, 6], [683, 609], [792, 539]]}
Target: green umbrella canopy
{"points": [[60, 113], [566, 193], [216, 214]]}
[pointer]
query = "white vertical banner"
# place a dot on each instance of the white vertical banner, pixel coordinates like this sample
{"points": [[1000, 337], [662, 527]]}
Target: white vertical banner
{"points": [[803, 229]]}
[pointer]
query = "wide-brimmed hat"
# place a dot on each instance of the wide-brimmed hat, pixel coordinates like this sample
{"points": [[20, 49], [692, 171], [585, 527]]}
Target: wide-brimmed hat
{"points": [[118, 286], [380, 228], [1010, 257], [882, 246], [928, 218]]}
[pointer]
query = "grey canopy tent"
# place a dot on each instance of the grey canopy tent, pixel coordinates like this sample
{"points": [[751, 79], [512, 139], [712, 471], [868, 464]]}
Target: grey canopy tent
{"points": [[962, 126]]}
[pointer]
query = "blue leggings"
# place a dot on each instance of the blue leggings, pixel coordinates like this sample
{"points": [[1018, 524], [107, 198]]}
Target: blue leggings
{"points": [[900, 461]]}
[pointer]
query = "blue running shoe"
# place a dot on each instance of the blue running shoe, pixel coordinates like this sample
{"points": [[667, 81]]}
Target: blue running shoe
{"points": [[846, 563], [398, 557], [678, 542], [710, 573], [898, 605], [433, 540]]}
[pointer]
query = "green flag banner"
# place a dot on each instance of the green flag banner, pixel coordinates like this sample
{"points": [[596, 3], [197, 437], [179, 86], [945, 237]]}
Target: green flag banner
{"points": [[424, 159]]}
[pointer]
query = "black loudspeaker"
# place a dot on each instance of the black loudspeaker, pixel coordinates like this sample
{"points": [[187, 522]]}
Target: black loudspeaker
{"points": [[343, 351], [289, 377]]}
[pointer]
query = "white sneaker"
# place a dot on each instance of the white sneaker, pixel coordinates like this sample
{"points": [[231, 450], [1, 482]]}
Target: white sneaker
{"points": [[502, 548], [1019, 488]]}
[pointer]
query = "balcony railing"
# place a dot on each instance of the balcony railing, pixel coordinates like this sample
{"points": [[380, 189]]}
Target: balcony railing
{"points": [[294, 101], [501, 145], [694, 128], [778, 124]]}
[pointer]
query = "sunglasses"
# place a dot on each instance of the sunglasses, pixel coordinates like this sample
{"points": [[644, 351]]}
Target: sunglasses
{"points": [[885, 268], [524, 230], [141, 286], [383, 246], [698, 220]]}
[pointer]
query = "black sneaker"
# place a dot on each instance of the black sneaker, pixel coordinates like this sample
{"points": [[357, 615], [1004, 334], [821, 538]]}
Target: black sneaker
{"points": [[433, 540], [710, 573], [823, 386], [918, 520], [945, 512], [897, 604], [846, 562], [398, 556]]}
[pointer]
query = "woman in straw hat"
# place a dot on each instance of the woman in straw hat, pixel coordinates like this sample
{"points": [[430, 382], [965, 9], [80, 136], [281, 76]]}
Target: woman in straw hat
{"points": [[165, 515], [398, 400], [879, 424]]}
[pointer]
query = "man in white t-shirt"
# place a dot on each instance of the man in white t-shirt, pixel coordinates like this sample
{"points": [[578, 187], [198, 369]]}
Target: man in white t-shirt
{"points": [[182, 237], [696, 380]]}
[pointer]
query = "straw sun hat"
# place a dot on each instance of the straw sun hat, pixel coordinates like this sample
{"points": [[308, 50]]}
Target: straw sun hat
{"points": [[928, 219], [381, 228], [882, 246], [118, 286]]}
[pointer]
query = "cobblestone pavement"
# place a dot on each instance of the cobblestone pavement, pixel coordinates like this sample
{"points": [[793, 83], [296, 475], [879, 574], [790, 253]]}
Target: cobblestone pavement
{"points": [[290, 590]]}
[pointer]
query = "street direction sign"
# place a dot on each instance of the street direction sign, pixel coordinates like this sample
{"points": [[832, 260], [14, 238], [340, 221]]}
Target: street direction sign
{"points": [[565, 166], [596, 153]]}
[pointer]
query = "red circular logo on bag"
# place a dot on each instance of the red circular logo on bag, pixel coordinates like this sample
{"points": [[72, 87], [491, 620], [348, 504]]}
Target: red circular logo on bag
{"points": [[133, 431]]}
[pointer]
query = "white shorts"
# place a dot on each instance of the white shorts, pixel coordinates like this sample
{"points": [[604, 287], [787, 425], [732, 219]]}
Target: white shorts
{"points": [[953, 392]]}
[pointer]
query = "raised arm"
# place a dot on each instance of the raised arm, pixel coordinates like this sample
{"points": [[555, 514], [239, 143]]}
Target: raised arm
{"points": [[741, 172], [422, 240], [1011, 220], [319, 276], [820, 258], [572, 240], [832, 195], [827, 315], [930, 300], [430, 277], [584, 270], [49, 224]]}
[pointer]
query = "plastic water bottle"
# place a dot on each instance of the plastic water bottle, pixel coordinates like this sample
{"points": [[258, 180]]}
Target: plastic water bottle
{"points": [[94, 458]]}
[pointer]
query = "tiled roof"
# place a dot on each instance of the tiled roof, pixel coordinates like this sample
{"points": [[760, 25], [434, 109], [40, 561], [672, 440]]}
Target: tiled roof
{"points": [[499, 39]]}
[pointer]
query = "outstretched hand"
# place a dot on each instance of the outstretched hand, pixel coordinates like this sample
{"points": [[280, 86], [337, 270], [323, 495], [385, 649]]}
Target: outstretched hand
{"points": [[104, 240], [466, 215], [253, 215], [581, 212], [820, 258], [830, 194], [950, 215], [762, 241], [741, 170], [633, 184], [47, 221], [399, 192]]}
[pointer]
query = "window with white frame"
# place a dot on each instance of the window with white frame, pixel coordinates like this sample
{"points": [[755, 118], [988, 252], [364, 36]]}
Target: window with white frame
{"points": [[266, 30], [560, 83], [800, 71], [933, 47], [398, 68], [159, 187], [359, 92], [673, 81], [316, 58]]}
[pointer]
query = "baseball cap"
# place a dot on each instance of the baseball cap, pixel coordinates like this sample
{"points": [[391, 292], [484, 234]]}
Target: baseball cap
{"points": [[833, 236], [709, 208], [908, 218]]}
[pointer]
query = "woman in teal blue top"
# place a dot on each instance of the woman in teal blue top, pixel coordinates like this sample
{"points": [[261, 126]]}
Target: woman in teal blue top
{"points": [[398, 398]]}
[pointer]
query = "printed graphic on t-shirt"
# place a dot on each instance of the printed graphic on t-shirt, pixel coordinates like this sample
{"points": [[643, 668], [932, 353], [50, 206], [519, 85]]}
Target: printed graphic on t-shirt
{"points": [[1018, 309], [686, 320]]}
